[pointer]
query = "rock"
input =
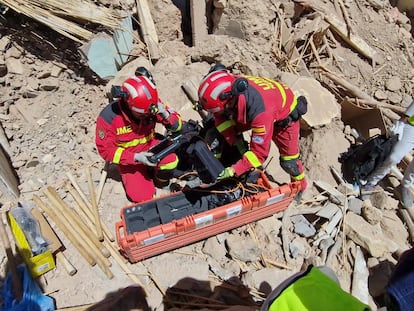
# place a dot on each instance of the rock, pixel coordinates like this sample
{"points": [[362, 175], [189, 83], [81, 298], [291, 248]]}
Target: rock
{"points": [[355, 205], [380, 95], [243, 248], [406, 100], [4, 43], [15, 66], [14, 52], [56, 71], [328, 211], [368, 236], [299, 248], [270, 226], [49, 84], [266, 279], [213, 248], [394, 228], [302, 226], [371, 214], [225, 268], [394, 98], [393, 84], [322, 105], [380, 199]]}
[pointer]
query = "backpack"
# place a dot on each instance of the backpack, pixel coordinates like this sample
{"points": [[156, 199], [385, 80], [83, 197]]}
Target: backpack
{"points": [[361, 159]]}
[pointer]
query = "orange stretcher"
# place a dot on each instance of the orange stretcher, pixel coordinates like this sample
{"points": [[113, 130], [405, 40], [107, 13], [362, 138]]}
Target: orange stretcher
{"points": [[138, 245]]}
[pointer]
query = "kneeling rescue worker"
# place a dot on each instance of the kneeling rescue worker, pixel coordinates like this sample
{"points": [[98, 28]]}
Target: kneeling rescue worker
{"points": [[125, 131], [266, 107]]}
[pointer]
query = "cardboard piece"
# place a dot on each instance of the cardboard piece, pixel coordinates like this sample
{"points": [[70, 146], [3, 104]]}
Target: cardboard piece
{"points": [[47, 232], [367, 121]]}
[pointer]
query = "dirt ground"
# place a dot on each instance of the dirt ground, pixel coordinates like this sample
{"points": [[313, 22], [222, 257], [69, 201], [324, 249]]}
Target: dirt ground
{"points": [[50, 121]]}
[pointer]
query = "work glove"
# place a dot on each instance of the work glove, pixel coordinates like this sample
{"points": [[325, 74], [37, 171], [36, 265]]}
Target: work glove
{"points": [[142, 157], [162, 111], [226, 173], [397, 129]]}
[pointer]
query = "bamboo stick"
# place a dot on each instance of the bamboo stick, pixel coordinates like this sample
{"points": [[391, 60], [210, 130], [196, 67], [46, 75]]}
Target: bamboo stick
{"points": [[76, 222], [86, 239], [101, 183], [78, 188], [67, 265], [95, 209], [86, 211]]}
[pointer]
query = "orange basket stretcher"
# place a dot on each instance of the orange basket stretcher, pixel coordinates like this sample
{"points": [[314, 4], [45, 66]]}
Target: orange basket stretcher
{"points": [[138, 245]]}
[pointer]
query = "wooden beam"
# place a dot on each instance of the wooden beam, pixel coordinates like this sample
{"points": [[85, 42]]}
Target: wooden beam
{"points": [[9, 184], [148, 29]]}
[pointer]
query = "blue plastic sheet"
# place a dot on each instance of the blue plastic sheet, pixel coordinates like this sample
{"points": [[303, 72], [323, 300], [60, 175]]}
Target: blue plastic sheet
{"points": [[33, 298]]}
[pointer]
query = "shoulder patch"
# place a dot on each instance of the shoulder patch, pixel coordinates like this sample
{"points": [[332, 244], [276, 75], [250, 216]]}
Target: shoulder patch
{"points": [[101, 133], [258, 139]]}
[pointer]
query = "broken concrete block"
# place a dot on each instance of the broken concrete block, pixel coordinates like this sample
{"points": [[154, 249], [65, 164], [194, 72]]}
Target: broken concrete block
{"points": [[302, 226], [368, 236]]}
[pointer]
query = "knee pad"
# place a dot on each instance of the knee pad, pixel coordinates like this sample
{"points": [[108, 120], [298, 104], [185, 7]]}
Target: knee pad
{"points": [[290, 166]]}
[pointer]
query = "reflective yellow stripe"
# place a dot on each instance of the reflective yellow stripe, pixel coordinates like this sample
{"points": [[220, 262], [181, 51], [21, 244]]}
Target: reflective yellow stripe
{"points": [[169, 166], [217, 155], [410, 120], [225, 125], [137, 142], [294, 104], [299, 177], [117, 155], [180, 125], [292, 157], [282, 92], [254, 161]]}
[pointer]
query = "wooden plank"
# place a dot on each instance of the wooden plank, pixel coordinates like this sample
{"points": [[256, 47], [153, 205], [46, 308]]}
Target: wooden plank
{"points": [[353, 40], [8, 179], [198, 21], [148, 29]]}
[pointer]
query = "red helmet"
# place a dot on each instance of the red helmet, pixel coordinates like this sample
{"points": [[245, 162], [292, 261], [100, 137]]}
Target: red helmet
{"points": [[142, 93], [215, 90]]}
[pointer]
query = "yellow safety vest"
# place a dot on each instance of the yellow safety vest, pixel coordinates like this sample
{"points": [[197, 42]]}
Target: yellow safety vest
{"points": [[315, 291]]}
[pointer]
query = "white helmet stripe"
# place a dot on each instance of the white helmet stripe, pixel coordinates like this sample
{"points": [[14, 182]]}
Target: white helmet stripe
{"points": [[219, 89], [219, 75], [203, 90], [131, 90], [147, 93]]}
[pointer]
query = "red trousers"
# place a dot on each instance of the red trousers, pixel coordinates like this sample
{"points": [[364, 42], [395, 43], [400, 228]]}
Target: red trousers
{"points": [[137, 179]]}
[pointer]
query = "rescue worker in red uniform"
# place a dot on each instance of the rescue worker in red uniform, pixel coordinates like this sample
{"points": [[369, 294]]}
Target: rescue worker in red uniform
{"points": [[125, 131], [266, 107]]}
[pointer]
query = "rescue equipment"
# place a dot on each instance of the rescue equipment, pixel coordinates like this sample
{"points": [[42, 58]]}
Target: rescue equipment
{"points": [[150, 228]]}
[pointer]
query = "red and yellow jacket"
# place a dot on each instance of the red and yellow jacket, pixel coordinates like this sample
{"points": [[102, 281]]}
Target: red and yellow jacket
{"points": [[258, 108], [118, 137]]}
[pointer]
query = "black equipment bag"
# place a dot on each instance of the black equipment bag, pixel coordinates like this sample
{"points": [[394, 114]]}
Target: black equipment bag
{"points": [[361, 159], [189, 201]]}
